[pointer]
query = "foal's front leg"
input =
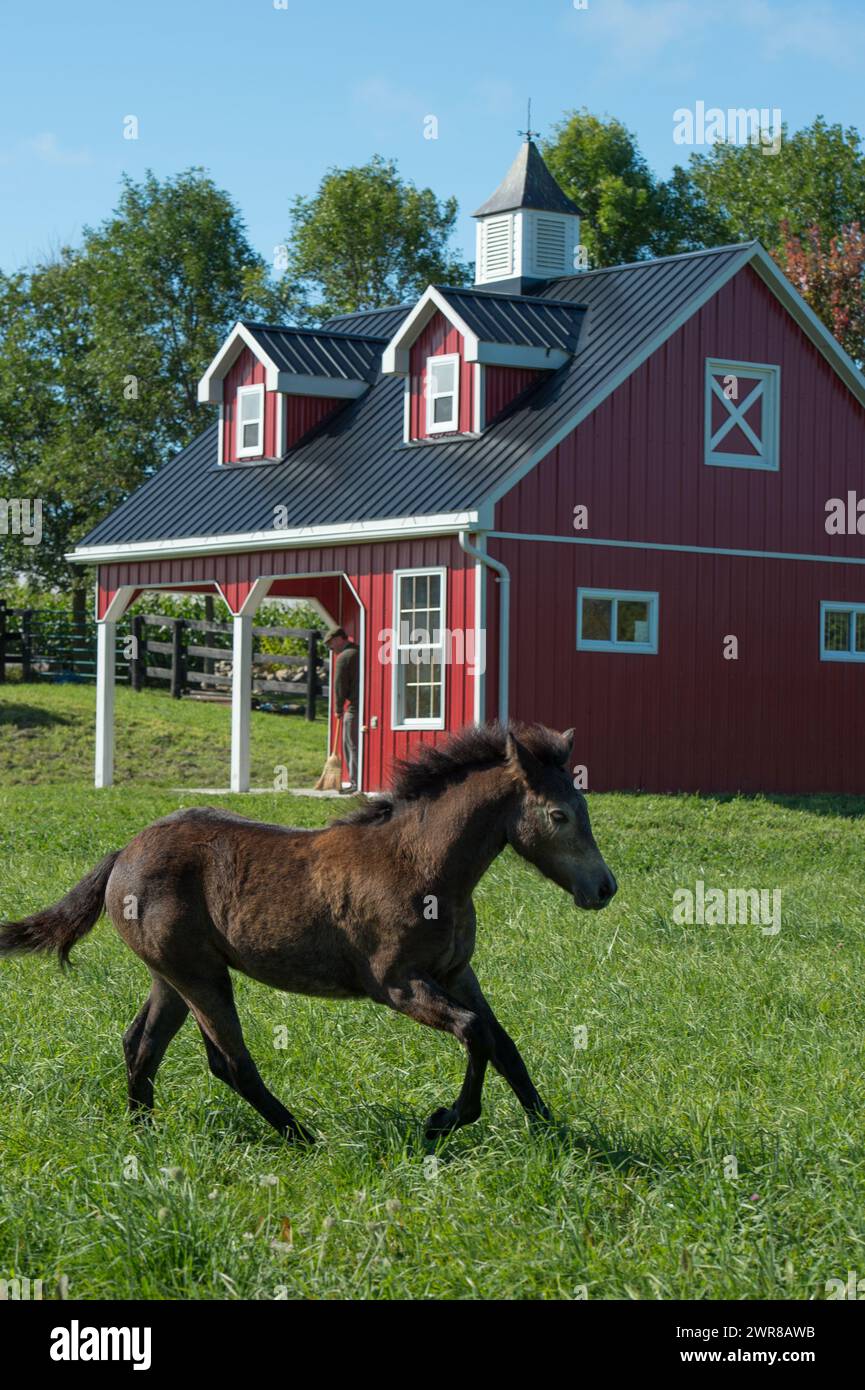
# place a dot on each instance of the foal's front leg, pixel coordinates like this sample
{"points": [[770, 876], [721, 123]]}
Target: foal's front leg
{"points": [[505, 1054], [466, 1014]]}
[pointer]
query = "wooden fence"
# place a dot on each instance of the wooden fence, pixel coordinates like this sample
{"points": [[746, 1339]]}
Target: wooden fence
{"points": [[191, 655]]}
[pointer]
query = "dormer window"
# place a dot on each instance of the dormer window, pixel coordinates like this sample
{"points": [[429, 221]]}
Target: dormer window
{"points": [[250, 421], [442, 393]]}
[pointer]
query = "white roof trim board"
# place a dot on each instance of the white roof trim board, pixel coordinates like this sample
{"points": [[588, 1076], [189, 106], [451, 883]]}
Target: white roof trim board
{"points": [[343, 361], [396, 356], [210, 385], [345, 533]]}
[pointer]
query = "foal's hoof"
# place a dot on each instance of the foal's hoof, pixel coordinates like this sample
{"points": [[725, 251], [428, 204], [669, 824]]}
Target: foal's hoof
{"points": [[299, 1134], [441, 1122]]}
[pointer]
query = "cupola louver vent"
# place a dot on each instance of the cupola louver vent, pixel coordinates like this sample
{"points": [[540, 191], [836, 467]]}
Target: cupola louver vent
{"points": [[498, 247], [550, 245]]}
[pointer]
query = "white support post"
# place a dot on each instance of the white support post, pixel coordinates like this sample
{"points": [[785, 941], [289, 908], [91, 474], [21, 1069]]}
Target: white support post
{"points": [[106, 635], [241, 697]]}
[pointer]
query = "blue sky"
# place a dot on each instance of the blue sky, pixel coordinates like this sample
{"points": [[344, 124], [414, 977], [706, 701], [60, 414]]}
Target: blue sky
{"points": [[267, 98]]}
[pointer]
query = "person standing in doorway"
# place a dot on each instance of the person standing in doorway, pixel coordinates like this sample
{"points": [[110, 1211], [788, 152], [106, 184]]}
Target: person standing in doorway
{"points": [[346, 689]]}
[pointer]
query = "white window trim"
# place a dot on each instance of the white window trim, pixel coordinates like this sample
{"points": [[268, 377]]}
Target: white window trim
{"points": [[258, 450], [769, 384], [836, 606], [408, 724], [431, 397], [589, 644]]}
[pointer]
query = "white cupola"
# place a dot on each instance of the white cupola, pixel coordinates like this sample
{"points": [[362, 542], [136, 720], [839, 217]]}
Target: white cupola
{"points": [[528, 231]]}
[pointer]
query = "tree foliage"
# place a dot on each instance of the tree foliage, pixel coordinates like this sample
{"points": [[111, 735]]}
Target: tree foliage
{"points": [[100, 353], [368, 238], [830, 273], [738, 192], [597, 162]]}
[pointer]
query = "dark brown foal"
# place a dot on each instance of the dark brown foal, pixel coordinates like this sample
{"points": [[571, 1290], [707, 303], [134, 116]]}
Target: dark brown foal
{"points": [[377, 905]]}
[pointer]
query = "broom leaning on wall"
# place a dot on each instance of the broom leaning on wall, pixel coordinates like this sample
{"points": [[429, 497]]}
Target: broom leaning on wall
{"points": [[331, 777]]}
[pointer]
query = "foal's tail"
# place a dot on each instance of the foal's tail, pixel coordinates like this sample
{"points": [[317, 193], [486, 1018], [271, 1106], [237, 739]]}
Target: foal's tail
{"points": [[58, 928]]}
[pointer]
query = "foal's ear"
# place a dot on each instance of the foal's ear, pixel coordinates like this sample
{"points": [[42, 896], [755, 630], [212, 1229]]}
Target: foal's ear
{"points": [[520, 758], [568, 737]]}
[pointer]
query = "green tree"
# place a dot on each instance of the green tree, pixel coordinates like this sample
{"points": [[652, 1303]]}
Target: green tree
{"points": [[101, 351], [368, 238], [597, 162], [737, 192]]}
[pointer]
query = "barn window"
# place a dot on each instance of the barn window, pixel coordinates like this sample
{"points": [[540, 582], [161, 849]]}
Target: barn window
{"points": [[742, 414], [842, 631], [442, 393], [250, 421], [419, 649], [616, 620]]}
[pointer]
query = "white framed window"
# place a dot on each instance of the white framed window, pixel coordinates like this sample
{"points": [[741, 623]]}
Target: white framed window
{"points": [[419, 649], [842, 631], [617, 620], [442, 393], [250, 421], [743, 401]]}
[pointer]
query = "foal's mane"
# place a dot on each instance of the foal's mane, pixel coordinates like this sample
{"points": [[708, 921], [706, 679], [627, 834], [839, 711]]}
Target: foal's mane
{"points": [[435, 767]]}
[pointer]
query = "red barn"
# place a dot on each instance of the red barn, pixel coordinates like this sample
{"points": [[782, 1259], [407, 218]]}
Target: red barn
{"points": [[626, 500]]}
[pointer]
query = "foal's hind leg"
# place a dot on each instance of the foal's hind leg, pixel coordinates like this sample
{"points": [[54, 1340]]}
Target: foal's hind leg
{"points": [[146, 1039], [212, 1004]]}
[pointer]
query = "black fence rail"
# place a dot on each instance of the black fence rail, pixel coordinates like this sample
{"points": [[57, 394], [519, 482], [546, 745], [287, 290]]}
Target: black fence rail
{"points": [[186, 659], [192, 655], [50, 644]]}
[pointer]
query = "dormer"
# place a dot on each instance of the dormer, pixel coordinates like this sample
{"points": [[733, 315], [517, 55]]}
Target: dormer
{"points": [[275, 385], [466, 354], [528, 231]]}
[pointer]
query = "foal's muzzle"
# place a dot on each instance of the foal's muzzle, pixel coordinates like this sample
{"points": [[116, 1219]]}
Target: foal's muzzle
{"points": [[598, 895]]}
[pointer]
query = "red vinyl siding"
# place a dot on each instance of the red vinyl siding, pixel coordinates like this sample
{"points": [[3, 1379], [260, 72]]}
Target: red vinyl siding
{"points": [[303, 413], [777, 719], [637, 461], [437, 339], [502, 385]]}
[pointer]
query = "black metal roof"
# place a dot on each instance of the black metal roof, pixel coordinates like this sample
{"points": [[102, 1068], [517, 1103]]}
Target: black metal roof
{"points": [[380, 323], [315, 352], [517, 318], [355, 467], [528, 184]]}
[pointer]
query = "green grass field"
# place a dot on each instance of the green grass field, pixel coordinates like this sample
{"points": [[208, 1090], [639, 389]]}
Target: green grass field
{"points": [[711, 1130]]}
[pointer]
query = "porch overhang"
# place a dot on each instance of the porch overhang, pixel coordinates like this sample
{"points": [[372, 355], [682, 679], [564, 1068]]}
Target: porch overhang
{"points": [[340, 533]]}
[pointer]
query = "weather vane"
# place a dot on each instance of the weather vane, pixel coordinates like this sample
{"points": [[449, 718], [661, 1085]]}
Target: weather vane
{"points": [[528, 132]]}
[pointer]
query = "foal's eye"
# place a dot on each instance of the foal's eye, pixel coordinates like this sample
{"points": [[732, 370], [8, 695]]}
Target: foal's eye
{"points": [[558, 816]]}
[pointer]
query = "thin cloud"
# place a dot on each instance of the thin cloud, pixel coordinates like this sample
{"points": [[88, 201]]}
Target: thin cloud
{"points": [[386, 98], [47, 149], [639, 33]]}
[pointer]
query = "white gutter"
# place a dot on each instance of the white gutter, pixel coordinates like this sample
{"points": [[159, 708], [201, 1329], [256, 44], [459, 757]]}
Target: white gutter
{"points": [[342, 533], [504, 579]]}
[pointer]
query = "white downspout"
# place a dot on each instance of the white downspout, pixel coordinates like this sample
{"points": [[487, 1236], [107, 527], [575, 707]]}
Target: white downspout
{"points": [[504, 579]]}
